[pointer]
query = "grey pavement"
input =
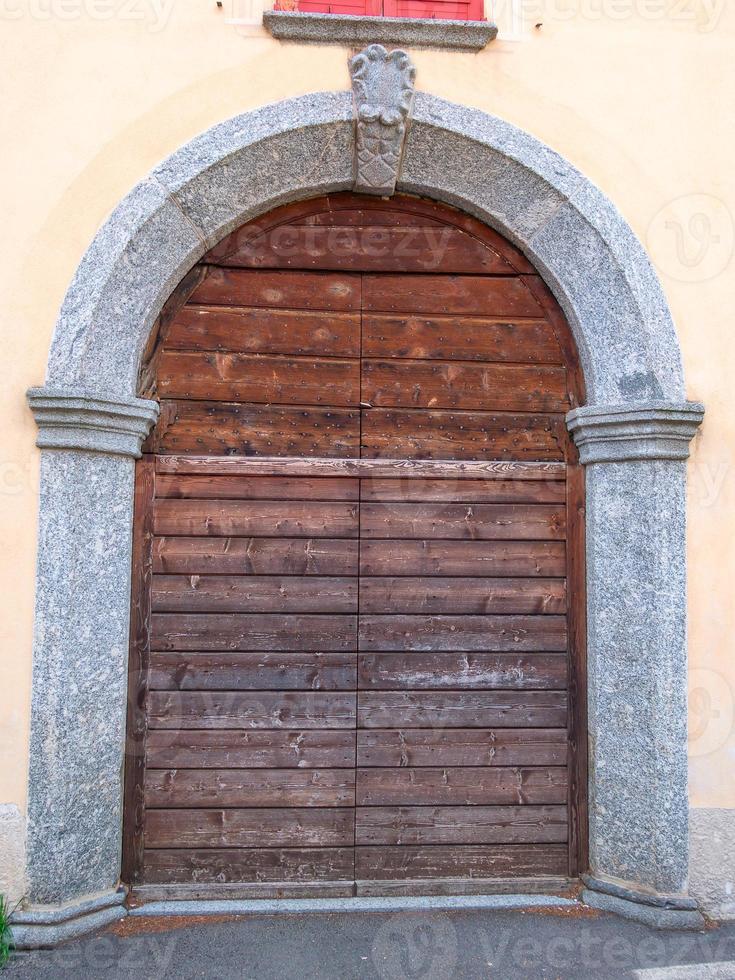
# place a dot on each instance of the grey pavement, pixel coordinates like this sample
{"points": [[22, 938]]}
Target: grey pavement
{"points": [[466, 945]]}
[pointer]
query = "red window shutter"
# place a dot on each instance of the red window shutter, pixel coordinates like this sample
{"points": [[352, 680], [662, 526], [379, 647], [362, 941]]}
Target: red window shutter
{"points": [[437, 9], [358, 7]]}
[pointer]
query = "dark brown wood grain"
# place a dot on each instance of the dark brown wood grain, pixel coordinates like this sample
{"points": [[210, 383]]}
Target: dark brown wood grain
{"points": [[255, 593], [138, 666], [257, 828], [486, 786], [460, 861], [214, 487], [226, 428], [483, 558], [533, 522], [255, 556], [465, 338], [442, 434], [253, 672], [266, 378], [491, 633], [479, 295], [278, 290], [417, 490], [462, 671], [455, 596], [461, 747], [252, 749], [448, 385], [218, 788], [252, 864], [462, 709], [265, 331], [461, 825], [253, 631], [257, 518], [246, 709]]}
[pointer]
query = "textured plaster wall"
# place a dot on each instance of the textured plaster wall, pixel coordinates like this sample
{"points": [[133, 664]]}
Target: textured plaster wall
{"points": [[93, 102]]}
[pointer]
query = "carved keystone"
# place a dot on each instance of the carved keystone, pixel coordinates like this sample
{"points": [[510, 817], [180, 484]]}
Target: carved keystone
{"points": [[382, 83]]}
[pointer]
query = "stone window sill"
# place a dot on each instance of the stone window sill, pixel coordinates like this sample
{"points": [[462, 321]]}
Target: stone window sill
{"points": [[352, 31]]}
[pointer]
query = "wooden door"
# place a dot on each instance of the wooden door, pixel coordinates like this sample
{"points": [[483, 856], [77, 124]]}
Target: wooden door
{"points": [[357, 657]]}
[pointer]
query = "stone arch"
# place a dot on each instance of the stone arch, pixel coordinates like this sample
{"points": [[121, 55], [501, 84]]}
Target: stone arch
{"points": [[633, 434]]}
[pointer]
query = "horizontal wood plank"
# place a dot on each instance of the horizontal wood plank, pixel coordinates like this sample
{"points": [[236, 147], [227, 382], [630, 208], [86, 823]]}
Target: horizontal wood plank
{"points": [[253, 631], [254, 593], [442, 434], [293, 671], [212, 486], [257, 518], [418, 490], [491, 633], [468, 861], [250, 749], [535, 522], [263, 331], [262, 709], [412, 825], [255, 556], [478, 295], [278, 290], [462, 558], [459, 787], [256, 828], [224, 428], [464, 338], [454, 385], [462, 671], [219, 788], [457, 595], [462, 709], [248, 865], [259, 378], [462, 747], [402, 469]]}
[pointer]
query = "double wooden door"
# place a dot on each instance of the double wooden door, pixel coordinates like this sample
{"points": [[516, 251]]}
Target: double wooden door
{"points": [[357, 582]]}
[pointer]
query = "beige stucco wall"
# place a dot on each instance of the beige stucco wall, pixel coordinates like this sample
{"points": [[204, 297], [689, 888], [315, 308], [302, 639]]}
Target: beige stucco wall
{"points": [[639, 94]]}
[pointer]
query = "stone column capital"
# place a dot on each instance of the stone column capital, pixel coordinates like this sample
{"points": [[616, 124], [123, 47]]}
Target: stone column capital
{"points": [[637, 431], [75, 419]]}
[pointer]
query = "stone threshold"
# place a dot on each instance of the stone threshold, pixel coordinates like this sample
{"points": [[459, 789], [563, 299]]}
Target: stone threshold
{"points": [[350, 30]]}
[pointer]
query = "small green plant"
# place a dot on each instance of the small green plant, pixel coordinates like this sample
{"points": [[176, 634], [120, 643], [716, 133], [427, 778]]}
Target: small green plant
{"points": [[6, 937]]}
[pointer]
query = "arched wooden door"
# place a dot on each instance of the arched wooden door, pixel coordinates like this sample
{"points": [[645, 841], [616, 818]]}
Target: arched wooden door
{"points": [[357, 660]]}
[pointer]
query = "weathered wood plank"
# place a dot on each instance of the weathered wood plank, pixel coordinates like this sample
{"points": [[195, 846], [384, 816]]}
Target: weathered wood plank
{"points": [[263, 331], [224, 428], [534, 522], [250, 787], [253, 631], [257, 828], [482, 558], [244, 865], [462, 747], [262, 709], [512, 491], [365, 247], [265, 378], [437, 384], [278, 290], [490, 633], [253, 672], [462, 671], [441, 434], [255, 556], [462, 709], [501, 296], [251, 749], [464, 338], [461, 861], [257, 518], [461, 825], [254, 593], [214, 487], [411, 594]]}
